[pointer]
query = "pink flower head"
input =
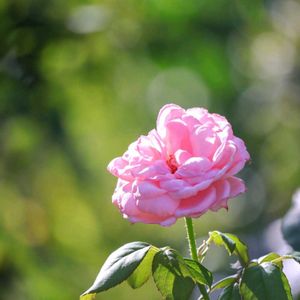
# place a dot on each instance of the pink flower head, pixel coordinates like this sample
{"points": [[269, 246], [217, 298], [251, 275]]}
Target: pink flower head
{"points": [[183, 168]]}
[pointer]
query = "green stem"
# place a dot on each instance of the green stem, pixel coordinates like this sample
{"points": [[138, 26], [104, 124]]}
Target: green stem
{"points": [[191, 238], [193, 251]]}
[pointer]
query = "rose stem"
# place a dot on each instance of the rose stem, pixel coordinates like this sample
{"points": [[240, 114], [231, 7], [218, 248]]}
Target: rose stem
{"points": [[193, 250]]}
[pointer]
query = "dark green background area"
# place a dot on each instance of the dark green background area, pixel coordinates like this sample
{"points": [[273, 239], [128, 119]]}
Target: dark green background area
{"points": [[80, 80]]}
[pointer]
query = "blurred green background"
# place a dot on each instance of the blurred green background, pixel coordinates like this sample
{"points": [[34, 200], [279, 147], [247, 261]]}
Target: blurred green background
{"points": [[80, 80]]}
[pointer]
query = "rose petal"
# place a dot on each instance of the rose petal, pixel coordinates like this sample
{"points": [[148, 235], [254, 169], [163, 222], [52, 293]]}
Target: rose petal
{"points": [[224, 155], [151, 171], [147, 189], [194, 166], [204, 142], [197, 113], [116, 166], [173, 184], [240, 158], [197, 204], [177, 136], [167, 113], [191, 191], [181, 156], [228, 188], [222, 194], [152, 219], [161, 206], [237, 186]]}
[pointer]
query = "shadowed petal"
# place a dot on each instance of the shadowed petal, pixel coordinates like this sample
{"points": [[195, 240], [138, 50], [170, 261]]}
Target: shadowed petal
{"points": [[197, 204]]}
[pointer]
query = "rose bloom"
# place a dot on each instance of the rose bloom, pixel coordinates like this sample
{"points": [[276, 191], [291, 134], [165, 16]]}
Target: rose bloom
{"points": [[183, 168]]}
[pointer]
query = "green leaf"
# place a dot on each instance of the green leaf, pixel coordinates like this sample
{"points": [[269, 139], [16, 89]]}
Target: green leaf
{"points": [[232, 244], [221, 239], [198, 272], [265, 282], [171, 275], [88, 297], [142, 273], [231, 292], [296, 256], [224, 282], [271, 257], [119, 266]]}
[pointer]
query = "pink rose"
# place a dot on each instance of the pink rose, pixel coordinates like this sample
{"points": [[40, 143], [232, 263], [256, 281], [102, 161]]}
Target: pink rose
{"points": [[183, 168]]}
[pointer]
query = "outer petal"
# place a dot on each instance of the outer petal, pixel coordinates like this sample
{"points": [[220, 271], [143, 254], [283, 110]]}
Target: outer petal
{"points": [[197, 204], [173, 184], [155, 202], [148, 189], [222, 123], [222, 194], [240, 158], [198, 113], [191, 190], [117, 168], [124, 199], [150, 171], [226, 189], [224, 155], [237, 186], [152, 219]]}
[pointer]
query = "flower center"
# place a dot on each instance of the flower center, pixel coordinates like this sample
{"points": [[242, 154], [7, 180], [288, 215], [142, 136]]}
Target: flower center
{"points": [[171, 162]]}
